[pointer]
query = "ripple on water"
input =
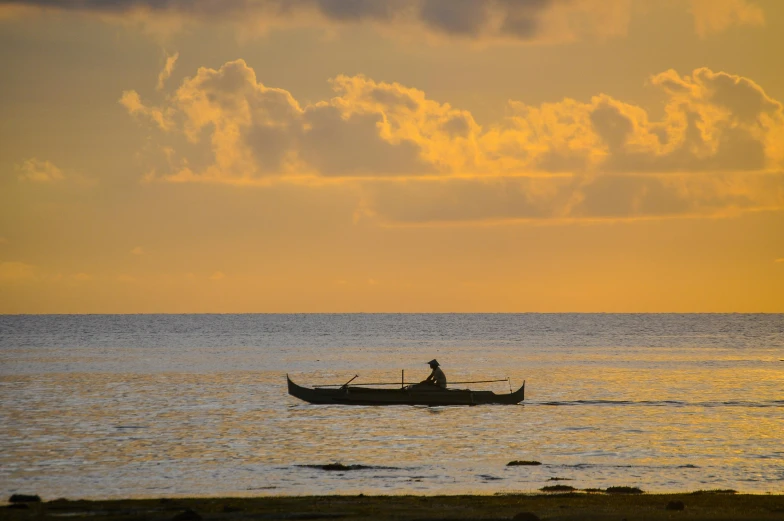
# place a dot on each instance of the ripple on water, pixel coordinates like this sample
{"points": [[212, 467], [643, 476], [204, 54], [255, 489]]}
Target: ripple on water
{"points": [[199, 405]]}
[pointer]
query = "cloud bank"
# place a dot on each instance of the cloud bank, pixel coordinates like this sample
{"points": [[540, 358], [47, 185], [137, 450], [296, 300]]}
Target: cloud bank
{"points": [[717, 149], [546, 21]]}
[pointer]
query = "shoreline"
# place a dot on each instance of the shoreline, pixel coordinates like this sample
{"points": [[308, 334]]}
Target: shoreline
{"points": [[700, 505]]}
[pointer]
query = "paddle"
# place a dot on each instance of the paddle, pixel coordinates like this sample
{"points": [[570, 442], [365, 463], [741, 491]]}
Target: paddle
{"points": [[346, 384]]}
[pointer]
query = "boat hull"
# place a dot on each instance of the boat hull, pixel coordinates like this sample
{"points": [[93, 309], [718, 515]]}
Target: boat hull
{"points": [[405, 396]]}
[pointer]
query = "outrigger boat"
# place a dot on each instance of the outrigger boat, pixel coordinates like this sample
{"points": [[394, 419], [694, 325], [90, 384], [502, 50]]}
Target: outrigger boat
{"points": [[416, 394]]}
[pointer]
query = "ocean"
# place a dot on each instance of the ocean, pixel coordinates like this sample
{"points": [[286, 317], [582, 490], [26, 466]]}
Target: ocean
{"points": [[115, 406]]}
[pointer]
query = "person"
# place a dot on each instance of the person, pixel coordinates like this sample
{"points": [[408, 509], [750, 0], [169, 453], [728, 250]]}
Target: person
{"points": [[437, 376]]}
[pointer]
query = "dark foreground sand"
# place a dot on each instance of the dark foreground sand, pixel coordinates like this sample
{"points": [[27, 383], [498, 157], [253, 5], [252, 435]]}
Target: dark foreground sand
{"points": [[571, 506]]}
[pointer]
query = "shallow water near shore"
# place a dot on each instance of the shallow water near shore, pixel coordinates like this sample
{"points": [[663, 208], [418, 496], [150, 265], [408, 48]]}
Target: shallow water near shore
{"points": [[188, 405]]}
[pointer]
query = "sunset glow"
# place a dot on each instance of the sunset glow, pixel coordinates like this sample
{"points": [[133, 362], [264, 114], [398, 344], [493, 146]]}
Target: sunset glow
{"points": [[391, 156]]}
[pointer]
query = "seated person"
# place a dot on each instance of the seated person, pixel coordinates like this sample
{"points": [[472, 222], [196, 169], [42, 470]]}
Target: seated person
{"points": [[437, 376]]}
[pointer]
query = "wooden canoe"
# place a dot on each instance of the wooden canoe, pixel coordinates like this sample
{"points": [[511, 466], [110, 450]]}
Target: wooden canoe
{"points": [[415, 395]]}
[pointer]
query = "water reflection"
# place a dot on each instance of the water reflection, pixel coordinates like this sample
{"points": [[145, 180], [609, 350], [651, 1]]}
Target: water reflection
{"points": [[112, 421]]}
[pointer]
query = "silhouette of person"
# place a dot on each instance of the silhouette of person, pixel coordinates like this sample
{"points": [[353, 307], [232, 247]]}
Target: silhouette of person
{"points": [[437, 376]]}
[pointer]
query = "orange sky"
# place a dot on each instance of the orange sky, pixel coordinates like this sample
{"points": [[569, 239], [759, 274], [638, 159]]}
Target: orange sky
{"points": [[391, 155]]}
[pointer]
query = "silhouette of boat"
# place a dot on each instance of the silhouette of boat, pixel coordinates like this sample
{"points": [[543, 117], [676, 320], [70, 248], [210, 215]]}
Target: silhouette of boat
{"points": [[430, 395]]}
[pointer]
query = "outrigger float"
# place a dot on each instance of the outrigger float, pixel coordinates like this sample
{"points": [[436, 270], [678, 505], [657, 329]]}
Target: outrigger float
{"points": [[407, 394]]}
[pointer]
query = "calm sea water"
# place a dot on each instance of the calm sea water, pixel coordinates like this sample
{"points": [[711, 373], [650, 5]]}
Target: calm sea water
{"points": [[182, 405]]}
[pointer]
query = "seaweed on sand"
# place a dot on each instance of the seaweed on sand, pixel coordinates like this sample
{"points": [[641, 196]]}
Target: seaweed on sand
{"points": [[342, 468], [337, 467], [558, 488], [623, 490], [714, 491]]}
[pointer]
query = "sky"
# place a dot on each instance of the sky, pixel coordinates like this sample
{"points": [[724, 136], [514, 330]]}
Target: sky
{"points": [[293, 156]]}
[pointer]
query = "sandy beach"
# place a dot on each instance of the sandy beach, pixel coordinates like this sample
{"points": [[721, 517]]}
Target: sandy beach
{"points": [[555, 507]]}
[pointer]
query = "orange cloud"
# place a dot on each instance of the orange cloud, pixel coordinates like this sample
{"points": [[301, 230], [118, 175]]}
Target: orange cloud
{"points": [[713, 121], [568, 159], [713, 16], [606, 197], [256, 131], [38, 171], [167, 70], [132, 102]]}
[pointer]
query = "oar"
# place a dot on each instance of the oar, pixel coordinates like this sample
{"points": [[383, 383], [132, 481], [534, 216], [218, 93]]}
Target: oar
{"points": [[409, 383], [346, 384], [481, 381], [372, 383]]}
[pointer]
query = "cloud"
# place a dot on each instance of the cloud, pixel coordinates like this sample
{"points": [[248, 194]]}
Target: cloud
{"points": [[133, 104], [218, 275], [11, 272], [713, 121], [255, 131], [696, 195], [780, 260], [38, 171], [485, 20], [467, 200], [416, 159], [540, 21], [138, 250], [167, 70], [714, 16], [597, 198]]}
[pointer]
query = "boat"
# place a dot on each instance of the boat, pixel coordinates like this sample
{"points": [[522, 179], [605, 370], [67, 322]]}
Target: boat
{"points": [[429, 395]]}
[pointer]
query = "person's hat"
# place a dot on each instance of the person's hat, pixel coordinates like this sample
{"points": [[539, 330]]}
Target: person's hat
{"points": [[433, 362]]}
